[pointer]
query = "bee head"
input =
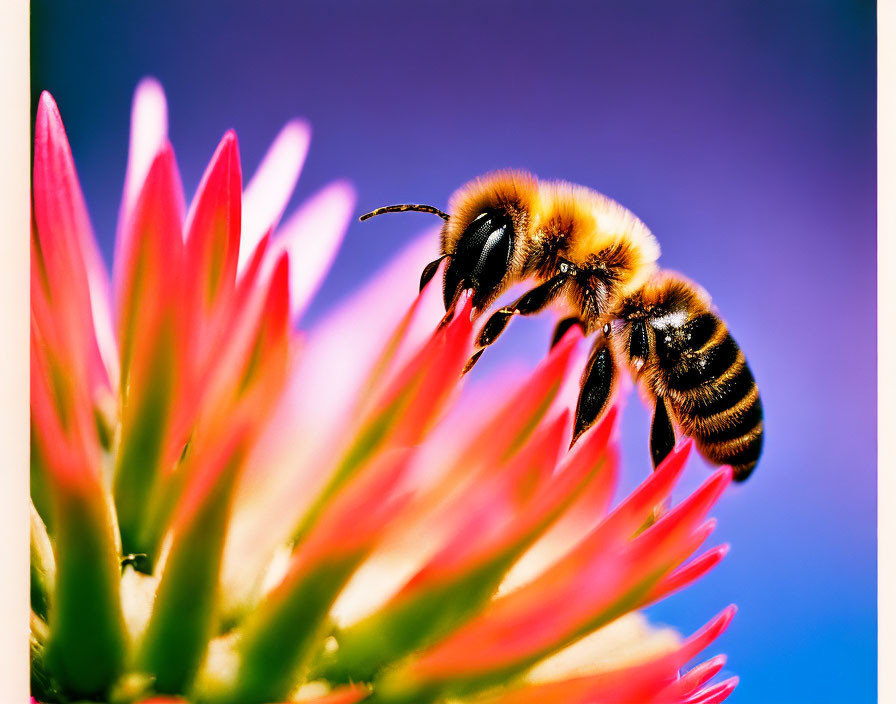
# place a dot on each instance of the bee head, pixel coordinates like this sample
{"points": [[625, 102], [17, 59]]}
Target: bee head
{"points": [[481, 259], [485, 235]]}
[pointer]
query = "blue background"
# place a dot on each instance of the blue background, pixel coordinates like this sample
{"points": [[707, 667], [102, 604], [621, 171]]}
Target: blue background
{"points": [[742, 133]]}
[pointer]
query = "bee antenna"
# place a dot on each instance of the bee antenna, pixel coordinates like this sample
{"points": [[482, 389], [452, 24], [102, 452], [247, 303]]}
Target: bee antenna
{"points": [[407, 207]]}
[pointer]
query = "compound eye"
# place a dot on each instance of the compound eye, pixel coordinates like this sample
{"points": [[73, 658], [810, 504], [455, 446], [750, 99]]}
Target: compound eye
{"points": [[481, 258]]}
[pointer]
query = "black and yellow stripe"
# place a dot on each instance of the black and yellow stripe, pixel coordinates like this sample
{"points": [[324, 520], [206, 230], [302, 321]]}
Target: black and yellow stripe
{"points": [[714, 396]]}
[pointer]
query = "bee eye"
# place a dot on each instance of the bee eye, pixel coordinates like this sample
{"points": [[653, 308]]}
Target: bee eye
{"points": [[481, 258]]}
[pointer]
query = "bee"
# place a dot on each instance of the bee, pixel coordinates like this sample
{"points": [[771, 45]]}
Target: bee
{"points": [[594, 259]]}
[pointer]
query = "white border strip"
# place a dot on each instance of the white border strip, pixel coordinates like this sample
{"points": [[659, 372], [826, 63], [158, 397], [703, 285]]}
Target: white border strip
{"points": [[15, 139]]}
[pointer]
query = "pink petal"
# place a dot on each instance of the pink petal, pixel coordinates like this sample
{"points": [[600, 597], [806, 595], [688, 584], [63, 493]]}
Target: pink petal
{"points": [[320, 402], [333, 548], [149, 132], [679, 523], [695, 677], [714, 694], [652, 682], [150, 267], [329, 380], [251, 356], [66, 240], [491, 513], [687, 574], [622, 522], [580, 593], [590, 454], [270, 189], [176, 636], [213, 235], [331, 370], [312, 236], [509, 428]]}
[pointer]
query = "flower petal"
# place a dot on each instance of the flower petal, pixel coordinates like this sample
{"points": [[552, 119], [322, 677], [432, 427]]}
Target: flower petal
{"points": [[278, 636], [151, 338], [597, 582], [87, 639], [271, 187], [150, 267], [184, 608], [43, 566], [64, 248], [341, 695], [687, 574], [462, 576], [213, 235], [149, 133], [312, 236], [696, 677], [714, 694], [648, 682], [406, 407]]}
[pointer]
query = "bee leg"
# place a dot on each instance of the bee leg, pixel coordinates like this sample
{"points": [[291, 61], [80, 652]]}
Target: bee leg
{"points": [[529, 303], [598, 381], [662, 436], [429, 271], [563, 327]]}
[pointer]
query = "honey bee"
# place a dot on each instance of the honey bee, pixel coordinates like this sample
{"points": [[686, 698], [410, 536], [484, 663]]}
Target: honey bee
{"points": [[597, 261]]}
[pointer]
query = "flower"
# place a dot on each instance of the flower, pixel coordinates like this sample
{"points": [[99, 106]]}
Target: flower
{"points": [[225, 510]]}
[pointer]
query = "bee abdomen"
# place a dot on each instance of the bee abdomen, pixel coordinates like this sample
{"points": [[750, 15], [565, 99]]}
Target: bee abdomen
{"points": [[711, 362], [724, 416]]}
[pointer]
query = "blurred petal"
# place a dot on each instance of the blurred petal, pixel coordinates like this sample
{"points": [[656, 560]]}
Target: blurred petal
{"points": [[627, 641], [213, 234], [406, 407], [312, 236], [330, 373], [341, 695], [696, 677], [149, 133], [277, 638], [502, 518], [150, 273], [588, 509], [715, 693], [86, 647], [64, 248], [589, 588], [43, 566], [277, 485], [152, 354], [272, 185], [184, 608], [687, 574], [638, 683]]}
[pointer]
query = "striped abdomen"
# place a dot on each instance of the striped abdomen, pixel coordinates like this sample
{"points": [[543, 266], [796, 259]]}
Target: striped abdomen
{"points": [[712, 393]]}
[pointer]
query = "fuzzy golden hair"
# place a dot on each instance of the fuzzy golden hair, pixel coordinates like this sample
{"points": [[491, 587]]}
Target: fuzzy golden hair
{"points": [[594, 230], [668, 289], [554, 219]]}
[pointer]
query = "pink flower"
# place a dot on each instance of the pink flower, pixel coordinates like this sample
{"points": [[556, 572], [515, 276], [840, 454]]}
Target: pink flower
{"points": [[226, 510]]}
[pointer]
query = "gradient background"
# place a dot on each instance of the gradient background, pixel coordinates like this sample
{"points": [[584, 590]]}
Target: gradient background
{"points": [[742, 133]]}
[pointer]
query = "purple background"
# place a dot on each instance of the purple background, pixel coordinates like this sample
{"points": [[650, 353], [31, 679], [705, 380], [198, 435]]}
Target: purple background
{"points": [[742, 133]]}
